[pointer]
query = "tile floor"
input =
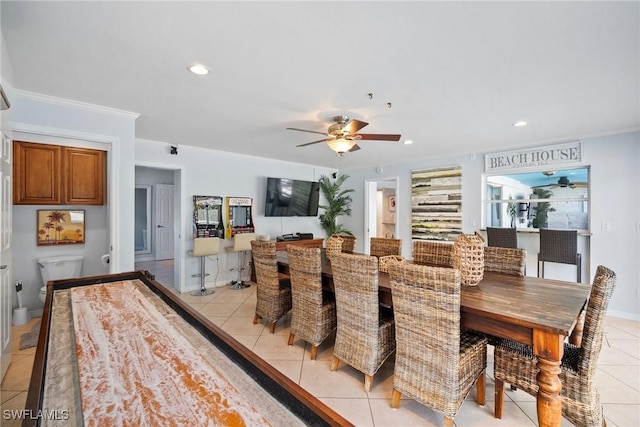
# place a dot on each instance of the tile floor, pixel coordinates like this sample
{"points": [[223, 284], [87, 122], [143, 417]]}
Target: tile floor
{"points": [[618, 372]]}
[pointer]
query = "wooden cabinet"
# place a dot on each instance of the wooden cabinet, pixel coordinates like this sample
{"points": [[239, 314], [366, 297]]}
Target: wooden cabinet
{"points": [[83, 176], [37, 170], [46, 174]]}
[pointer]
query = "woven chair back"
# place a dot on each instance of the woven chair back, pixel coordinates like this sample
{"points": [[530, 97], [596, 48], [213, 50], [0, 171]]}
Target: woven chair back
{"points": [[334, 245], [433, 253], [426, 304], [363, 340], [348, 243], [601, 291], [381, 246], [505, 260], [305, 270], [355, 279], [266, 265]]}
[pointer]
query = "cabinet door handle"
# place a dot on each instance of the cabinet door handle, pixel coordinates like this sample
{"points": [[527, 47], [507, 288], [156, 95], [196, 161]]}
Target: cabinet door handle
{"points": [[160, 226], [3, 266]]}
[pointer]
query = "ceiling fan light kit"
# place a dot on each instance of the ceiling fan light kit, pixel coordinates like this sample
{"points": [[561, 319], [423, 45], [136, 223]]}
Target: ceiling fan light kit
{"points": [[341, 135], [341, 145]]}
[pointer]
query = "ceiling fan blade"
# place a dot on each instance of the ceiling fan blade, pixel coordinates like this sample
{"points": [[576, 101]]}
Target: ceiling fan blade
{"points": [[353, 126], [310, 131], [312, 142], [380, 136], [355, 148]]}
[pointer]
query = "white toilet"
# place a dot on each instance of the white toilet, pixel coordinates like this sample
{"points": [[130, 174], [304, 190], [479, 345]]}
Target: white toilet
{"points": [[57, 268]]}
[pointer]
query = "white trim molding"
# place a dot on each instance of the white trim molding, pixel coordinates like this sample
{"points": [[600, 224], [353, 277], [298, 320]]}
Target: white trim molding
{"points": [[75, 104]]}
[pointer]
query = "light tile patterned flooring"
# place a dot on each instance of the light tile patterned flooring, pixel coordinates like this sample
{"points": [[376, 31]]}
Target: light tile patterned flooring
{"points": [[618, 372]]}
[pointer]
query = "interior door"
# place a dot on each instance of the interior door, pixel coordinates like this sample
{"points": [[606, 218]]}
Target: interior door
{"points": [[163, 213], [6, 289]]}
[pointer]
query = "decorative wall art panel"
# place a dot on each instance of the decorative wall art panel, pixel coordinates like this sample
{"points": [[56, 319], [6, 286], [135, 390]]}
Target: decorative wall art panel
{"points": [[436, 203], [60, 227]]}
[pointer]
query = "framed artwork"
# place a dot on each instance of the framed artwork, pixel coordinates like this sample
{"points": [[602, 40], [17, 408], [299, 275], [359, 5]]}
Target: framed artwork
{"points": [[436, 203], [57, 227], [392, 203]]}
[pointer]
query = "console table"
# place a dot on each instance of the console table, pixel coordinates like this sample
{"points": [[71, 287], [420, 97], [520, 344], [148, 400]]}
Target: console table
{"points": [[307, 243]]}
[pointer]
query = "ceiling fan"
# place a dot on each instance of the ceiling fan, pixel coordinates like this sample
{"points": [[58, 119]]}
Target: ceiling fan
{"points": [[563, 182], [342, 135]]}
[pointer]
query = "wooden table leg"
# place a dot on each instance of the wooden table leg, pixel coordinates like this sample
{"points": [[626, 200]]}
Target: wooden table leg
{"points": [[576, 335], [549, 349]]}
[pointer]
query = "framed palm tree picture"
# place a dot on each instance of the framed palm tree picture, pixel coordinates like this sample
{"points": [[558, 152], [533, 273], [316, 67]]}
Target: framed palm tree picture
{"points": [[57, 227]]}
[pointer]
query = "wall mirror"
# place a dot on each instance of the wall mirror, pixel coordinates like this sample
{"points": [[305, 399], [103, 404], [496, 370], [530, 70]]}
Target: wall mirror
{"points": [[556, 199], [142, 227]]}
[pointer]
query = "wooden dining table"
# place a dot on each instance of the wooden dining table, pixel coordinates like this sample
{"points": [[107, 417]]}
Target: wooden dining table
{"points": [[535, 311]]}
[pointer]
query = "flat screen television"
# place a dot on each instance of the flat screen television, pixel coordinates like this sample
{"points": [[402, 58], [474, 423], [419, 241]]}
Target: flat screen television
{"points": [[291, 197]]}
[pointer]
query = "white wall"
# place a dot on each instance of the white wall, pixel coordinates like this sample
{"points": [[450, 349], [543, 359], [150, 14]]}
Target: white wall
{"points": [[615, 198], [217, 173]]}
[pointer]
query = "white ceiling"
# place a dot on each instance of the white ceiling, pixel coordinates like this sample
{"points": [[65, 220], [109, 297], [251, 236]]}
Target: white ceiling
{"points": [[457, 74]]}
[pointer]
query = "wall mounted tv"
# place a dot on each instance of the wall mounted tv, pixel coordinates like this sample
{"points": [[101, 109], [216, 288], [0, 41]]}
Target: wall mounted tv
{"points": [[291, 197]]}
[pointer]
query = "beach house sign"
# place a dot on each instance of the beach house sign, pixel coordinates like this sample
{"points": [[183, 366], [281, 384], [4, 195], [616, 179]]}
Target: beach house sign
{"points": [[534, 157]]}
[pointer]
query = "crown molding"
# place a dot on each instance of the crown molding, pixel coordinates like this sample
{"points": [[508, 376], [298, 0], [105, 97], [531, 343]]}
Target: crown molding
{"points": [[75, 104]]}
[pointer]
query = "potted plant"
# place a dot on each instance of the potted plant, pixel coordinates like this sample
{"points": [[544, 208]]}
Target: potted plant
{"points": [[512, 210], [338, 203], [542, 208]]}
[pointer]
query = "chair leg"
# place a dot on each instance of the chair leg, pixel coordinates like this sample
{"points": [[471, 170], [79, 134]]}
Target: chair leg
{"points": [[579, 267], [314, 352], [334, 363], [368, 382], [272, 328], [499, 398], [255, 319], [480, 389], [395, 399], [291, 338], [448, 421]]}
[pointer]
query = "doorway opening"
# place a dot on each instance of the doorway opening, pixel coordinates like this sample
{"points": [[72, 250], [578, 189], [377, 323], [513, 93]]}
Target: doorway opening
{"points": [[381, 201], [157, 223]]}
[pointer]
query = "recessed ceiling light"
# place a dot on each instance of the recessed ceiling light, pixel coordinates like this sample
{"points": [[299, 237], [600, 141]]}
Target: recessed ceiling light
{"points": [[408, 142], [520, 123], [198, 69]]}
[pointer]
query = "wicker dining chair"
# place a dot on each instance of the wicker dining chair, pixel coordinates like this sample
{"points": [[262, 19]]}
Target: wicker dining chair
{"points": [[516, 364], [505, 260], [502, 237], [436, 254], [437, 363], [560, 246], [381, 246], [273, 293], [334, 245], [348, 243], [313, 316], [365, 335]]}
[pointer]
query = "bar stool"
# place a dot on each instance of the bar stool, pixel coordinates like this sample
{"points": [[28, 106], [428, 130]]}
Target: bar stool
{"points": [[559, 246], [503, 237], [204, 247], [241, 244]]}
